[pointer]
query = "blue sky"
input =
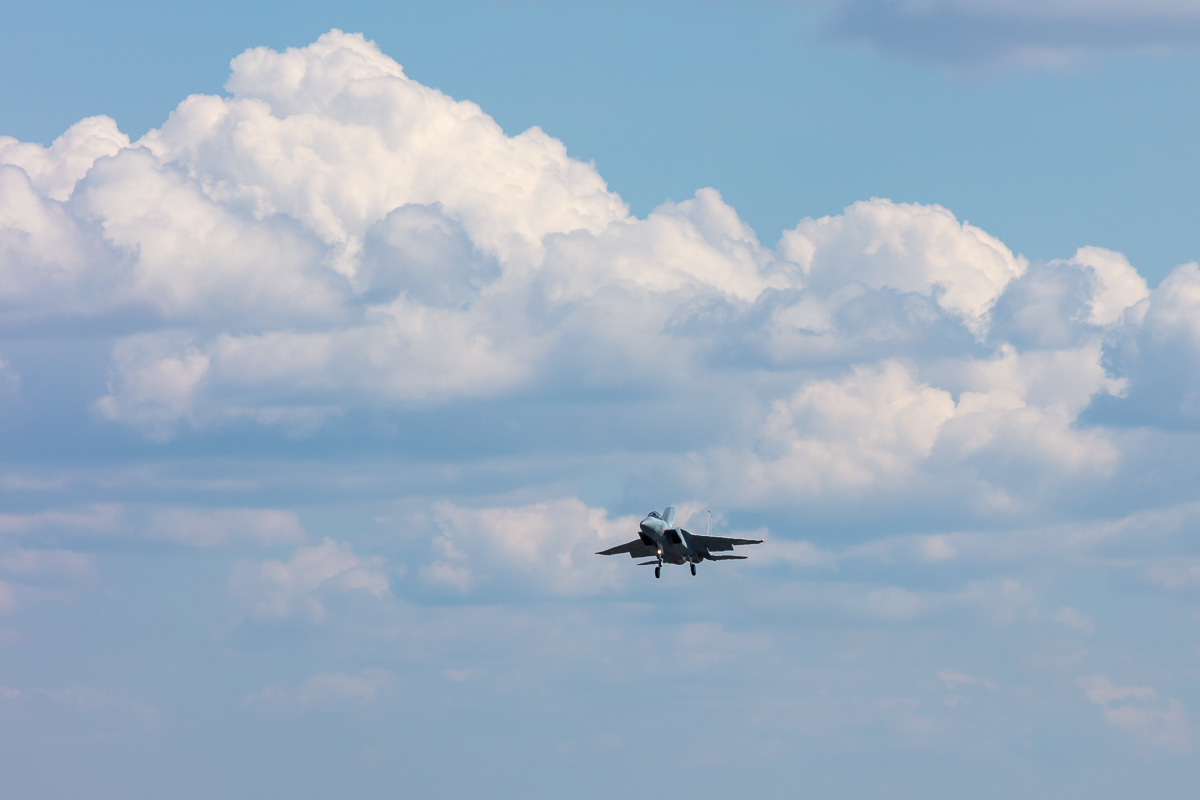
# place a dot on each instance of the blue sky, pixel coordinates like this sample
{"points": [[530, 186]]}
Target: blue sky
{"points": [[325, 370]]}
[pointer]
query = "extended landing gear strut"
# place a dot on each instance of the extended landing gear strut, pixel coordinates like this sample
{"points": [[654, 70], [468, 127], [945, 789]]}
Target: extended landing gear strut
{"points": [[693, 566]]}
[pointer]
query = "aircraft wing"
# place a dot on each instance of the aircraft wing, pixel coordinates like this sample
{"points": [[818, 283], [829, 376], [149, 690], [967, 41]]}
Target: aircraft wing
{"points": [[714, 544], [636, 549]]}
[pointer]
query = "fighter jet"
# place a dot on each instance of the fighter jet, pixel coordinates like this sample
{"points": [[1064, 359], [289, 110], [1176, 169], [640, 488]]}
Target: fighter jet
{"points": [[660, 540]]}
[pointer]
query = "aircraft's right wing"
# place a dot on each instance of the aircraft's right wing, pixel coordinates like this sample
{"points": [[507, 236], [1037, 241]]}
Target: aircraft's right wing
{"points": [[636, 549], [714, 544]]}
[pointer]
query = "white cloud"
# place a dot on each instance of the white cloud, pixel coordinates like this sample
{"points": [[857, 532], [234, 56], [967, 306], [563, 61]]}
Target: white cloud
{"points": [[896, 603], [78, 703], [1117, 285], [696, 244], [1168, 728], [988, 34], [550, 546], [153, 386], [1102, 691], [214, 527], [954, 680], [1023, 407], [1156, 350], [881, 427], [48, 258], [1175, 573], [874, 425], [191, 255], [99, 518], [277, 589], [10, 384], [1004, 600], [55, 170], [32, 482], [1075, 619], [795, 553], [447, 574], [333, 237], [328, 690], [31, 563], [1067, 8], [1138, 711], [908, 247], [1068, 303], [336, 136]]}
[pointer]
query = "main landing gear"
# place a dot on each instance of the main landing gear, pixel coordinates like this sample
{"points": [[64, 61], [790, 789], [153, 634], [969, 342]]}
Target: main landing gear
{"points": [[693, 566]]}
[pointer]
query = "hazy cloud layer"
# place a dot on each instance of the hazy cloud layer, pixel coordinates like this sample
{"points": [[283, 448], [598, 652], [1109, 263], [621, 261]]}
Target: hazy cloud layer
{"points": [[986, 34]]}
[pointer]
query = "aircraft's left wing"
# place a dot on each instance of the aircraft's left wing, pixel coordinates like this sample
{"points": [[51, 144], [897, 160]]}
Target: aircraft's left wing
{"points": [[636, 549], [714, 544]]}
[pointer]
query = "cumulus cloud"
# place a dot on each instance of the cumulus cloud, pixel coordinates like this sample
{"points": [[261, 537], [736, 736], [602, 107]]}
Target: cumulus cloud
{"points": [[871, 426], [881, 427], [1068, 302], [277, 589], [1156, 350], [987, 34], [549, 545], [1140, 712], [907, 247], [333, 233], [332, 238], [55, 170]]}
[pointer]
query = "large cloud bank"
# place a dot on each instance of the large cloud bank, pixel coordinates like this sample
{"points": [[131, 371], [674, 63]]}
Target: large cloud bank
{"points": [[333, 237]]}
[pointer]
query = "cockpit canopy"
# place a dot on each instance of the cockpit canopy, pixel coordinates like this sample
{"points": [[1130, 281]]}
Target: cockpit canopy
{"points": [[654, 514]]}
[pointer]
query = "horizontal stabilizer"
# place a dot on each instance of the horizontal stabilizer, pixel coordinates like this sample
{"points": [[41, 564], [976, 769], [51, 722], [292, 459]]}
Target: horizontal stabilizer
{"points": [[648, 563], [725, 558]]}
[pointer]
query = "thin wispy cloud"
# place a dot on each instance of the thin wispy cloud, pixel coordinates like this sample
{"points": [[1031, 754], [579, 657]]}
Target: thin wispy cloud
{"points": [[986, 35]]}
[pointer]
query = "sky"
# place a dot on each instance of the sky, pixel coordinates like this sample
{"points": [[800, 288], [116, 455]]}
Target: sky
{"points": [[335, 341]]}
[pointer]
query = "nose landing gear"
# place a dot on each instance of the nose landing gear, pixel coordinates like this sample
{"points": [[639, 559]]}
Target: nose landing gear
{"points": [[658, 572]]}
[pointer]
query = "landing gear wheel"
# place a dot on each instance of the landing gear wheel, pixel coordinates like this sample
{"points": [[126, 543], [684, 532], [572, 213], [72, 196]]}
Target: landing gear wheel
{"points": [[693, 569], [658, 572]]}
